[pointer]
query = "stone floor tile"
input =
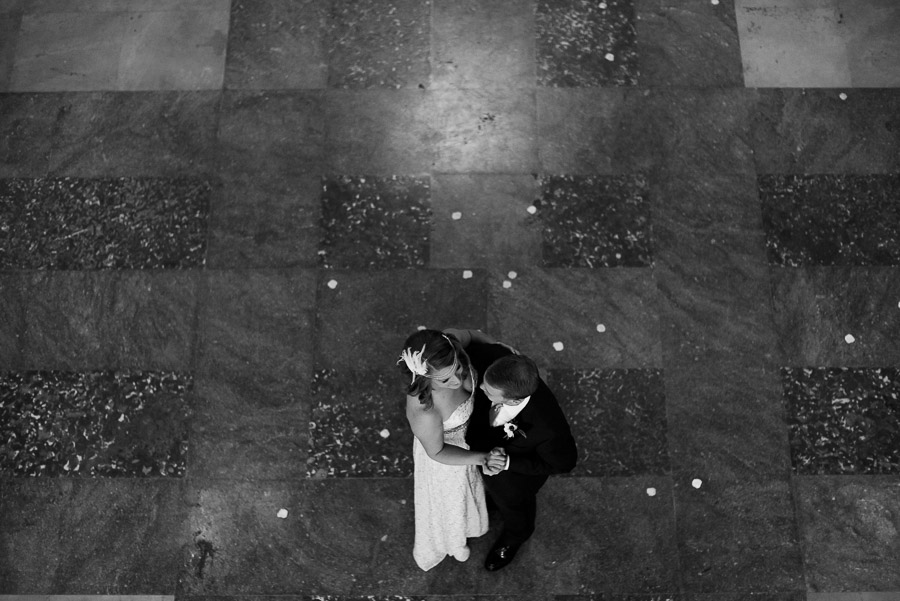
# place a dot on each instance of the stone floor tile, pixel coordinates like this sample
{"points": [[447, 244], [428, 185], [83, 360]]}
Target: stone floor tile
{"points": [[261, 220], [277, 44], [542, 307], [848, 526], [355, 327], [373, 44], [581, 44], [843, 420], [27, 133], [124, 223], [109, 320], [737, 535], [14, 291], [474, 44], [10, 23], [687, 44], [370, 222], [275, 133], [164, 134], [594, 222], [618, 419], [379, 132], [485, 130], [827, 131], [605, 130], [111, 536], [816, 309], [483, 221], [873, 51], [831, 219]]}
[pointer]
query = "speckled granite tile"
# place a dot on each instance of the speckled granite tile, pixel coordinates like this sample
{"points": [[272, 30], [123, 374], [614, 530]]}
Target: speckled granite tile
{"points": [[260, 220], [691, 43], [271, 132], [618, 418], [27, 133], [726, 419], [358, 425], [379, 132], [849, 527], [815, 309], [843, 420], [597, 131], [125, 223], [370, 222], [359, 328], [277, 44], [816, 131], [109, 319], [737, 535], [542, 307], [477, 44], [831, 219], [373, 43], [485, 130], [599, 221], [163, 134], [94, 423], [583, 44], [108, 535], [482, 221]]}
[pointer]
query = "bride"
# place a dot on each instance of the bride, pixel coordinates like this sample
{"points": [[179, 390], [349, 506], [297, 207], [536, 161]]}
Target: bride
{"points": [[448, 489]]}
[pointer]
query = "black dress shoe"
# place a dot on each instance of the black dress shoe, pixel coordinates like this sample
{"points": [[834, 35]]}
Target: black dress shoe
{"points": [[499, 557]]}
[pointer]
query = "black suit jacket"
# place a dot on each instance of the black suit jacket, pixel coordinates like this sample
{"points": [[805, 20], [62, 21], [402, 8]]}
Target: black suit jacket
{"points": [[542, 443]]}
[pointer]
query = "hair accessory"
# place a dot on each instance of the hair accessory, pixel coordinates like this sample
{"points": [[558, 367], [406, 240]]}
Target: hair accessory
{"points": [[414, 361]]}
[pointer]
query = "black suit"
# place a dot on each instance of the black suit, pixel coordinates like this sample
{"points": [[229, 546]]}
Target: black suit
{"points": [[542, 445]]}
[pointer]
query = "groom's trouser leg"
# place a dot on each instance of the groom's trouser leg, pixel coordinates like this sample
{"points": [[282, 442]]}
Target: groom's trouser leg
{"points": [[516, 498]]}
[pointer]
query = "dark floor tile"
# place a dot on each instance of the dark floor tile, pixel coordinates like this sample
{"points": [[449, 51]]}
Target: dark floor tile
{"points": [[485, 130], [358, 425], [687, 43], [737, 535], [9, 33], [359, 328], [13, 291], [618, 419], [373, 43], [250, 429], [163, 134], [843, 420], [583, 44], [379, 132], [260, 220], [597, 131], [122, 223], [816, 131], [94, 423], [120, 536], [595, 221], [271, 133], [726, 419], [840, 316], [483, 221], [603, 318], [370, 222], [831, 219], [848, 525], [277, 44], [27, 133], [109, 320], [477, 44]]}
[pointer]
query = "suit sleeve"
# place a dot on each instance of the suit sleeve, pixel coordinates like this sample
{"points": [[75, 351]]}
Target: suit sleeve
{"points": [[556, 455]]}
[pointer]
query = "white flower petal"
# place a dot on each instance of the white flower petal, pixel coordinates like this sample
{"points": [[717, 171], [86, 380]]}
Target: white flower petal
{"points": [[282, 513], [696, 482], [651, 492], [456, 216], [385, 433], [332, 284], [512, 275], [601, 328], [531, 210], [467, 274], [558, 346], [507, 284], [849, 339], [610, 56], [842, 96]]}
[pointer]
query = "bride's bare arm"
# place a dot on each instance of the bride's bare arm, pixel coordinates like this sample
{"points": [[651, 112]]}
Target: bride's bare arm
{"points": [[428, 427]]}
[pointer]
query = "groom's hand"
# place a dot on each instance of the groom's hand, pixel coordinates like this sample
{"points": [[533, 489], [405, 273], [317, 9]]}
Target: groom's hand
{"points": [[496, 461]]}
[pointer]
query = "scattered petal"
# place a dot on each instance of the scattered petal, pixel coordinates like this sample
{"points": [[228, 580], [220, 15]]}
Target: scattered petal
{"points": [[385, 433], [456, 216], [842, 96], [610, 56], [420, 328], [601, 328], [507, 284], [696, 482], [651, 492], [531, 210], [715, 2], [332, 284], [282, 513], [603, 5], [558, 346], [512, 275], [384, 538], [849, 339], [467, 274]]}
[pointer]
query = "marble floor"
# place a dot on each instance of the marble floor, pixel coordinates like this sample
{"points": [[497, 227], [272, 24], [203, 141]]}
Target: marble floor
{"points": [[219, 220]]}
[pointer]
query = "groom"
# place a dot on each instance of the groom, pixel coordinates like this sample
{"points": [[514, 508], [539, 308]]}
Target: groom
{"points": [[516, 412]]}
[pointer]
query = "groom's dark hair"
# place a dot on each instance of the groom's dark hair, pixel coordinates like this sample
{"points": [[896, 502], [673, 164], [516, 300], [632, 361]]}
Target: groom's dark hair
{"points": [[516, 375]]}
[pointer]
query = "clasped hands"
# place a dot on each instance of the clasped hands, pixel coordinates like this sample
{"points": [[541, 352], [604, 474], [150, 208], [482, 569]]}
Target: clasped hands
{"points": [[495, 462]]}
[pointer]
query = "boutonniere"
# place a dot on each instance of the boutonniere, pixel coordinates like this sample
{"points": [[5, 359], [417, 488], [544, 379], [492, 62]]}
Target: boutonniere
{"points": [[510, 429]]}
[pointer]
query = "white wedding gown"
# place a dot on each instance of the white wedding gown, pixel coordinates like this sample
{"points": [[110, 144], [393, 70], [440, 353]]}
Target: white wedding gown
{"points": [[449, 499]]}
